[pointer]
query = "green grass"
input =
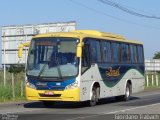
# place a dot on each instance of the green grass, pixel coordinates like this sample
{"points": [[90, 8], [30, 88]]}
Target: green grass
{"points": [[6, 91]]}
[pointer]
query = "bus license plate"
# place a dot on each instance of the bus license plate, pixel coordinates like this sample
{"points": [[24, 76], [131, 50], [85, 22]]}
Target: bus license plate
{"points": [[49, 93]]}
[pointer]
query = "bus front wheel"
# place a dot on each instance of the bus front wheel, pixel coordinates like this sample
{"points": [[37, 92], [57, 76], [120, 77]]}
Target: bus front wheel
{"points": [[94, 96]]}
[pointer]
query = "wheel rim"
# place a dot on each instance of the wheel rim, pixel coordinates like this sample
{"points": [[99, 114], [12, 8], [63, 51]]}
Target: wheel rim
{"points": [[127, 92], [93, 98]]}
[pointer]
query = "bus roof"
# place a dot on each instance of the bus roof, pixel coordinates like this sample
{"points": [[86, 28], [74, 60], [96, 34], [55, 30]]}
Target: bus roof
{"points": [[89, 33]]}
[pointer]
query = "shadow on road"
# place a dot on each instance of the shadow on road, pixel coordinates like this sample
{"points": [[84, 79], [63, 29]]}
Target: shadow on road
{"points": [[143, 101], [113, 100], [59, 105], [71, 105]]}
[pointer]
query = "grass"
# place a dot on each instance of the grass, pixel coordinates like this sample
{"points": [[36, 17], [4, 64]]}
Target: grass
{"points": [[6, 93]]}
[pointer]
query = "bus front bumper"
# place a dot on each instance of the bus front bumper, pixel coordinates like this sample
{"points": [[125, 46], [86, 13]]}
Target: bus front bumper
{"points": [[45, 95]]}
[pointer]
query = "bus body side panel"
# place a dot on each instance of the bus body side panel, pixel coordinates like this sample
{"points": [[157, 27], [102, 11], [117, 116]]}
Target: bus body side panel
{"points": [[137, 82], [88, 78], [115, 77], [93, 75], [112, 80]]}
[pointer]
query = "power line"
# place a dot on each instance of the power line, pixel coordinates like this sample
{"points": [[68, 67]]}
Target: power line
{"points": [[127, 10], [113, 17], [140, 10]]}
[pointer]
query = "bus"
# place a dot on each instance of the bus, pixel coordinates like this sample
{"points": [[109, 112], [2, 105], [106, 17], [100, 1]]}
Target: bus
{"points": [[82, 65]]}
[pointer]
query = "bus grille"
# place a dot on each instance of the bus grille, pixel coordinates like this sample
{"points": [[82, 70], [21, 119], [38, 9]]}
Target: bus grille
{"points": [[55, 95]]}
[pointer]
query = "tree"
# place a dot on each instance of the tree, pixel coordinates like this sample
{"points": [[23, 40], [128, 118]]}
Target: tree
{"points": [[156, 55], [16, 68]]}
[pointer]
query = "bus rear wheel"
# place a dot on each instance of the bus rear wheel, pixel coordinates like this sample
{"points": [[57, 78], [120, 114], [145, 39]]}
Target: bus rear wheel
{"points": [[127, 95]]}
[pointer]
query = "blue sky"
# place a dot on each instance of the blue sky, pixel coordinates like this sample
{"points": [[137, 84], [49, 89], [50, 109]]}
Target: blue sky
{"points": [[89, 14]]}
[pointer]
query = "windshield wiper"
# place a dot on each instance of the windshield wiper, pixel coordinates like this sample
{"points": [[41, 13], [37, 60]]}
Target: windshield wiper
{"points": [[45, 64], [58, 69], [41, 71]]}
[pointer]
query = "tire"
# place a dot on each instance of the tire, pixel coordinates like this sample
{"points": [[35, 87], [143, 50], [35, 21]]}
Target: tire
{"points": [[127, 95], [48, 103], [94, 96]]}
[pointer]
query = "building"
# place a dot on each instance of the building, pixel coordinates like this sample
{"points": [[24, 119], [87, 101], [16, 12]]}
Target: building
{"points": [[152, 65]]}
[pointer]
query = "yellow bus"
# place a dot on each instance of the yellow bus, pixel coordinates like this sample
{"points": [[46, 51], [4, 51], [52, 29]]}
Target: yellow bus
{"points": [[83, 65]]}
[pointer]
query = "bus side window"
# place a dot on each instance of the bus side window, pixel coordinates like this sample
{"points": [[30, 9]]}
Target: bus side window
{"points": [[133, 50], [86, 55], [140, 54], [106, 51], [116, 52], [125, 55]]}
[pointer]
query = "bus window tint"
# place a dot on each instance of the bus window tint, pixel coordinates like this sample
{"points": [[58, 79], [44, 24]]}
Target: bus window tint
{"points": [[125, 57], [95, 51], [133, 49], [86, 55], [115, 52], [140, 54], [106, 52]]}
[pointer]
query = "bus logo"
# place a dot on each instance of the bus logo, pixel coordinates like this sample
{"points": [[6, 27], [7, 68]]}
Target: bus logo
{"points": [[112, 72]]}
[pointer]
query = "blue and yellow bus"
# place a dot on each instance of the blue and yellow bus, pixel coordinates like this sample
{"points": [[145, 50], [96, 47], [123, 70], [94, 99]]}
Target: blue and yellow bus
{"points": [[83, 65]]}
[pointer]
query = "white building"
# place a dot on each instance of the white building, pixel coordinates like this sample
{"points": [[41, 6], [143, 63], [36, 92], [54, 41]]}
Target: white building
{"points": [[152, 65]]}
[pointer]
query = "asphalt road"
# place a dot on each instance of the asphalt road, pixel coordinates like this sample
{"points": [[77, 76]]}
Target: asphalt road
{"points": [[140, 105]]}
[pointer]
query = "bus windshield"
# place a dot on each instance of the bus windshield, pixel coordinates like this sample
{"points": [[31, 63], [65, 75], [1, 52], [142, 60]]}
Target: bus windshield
{"points": [[52, 57]]}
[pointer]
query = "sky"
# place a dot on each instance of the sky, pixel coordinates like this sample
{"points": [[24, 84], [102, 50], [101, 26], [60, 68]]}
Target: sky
{"points": [[90, 14]]}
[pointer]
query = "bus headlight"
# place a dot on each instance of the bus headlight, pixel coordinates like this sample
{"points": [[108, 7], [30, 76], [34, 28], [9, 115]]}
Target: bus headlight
{"points": [[30, 85], [72, 86]]}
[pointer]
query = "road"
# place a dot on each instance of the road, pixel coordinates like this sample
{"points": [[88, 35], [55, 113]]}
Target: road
{"points": [[146, 102]]}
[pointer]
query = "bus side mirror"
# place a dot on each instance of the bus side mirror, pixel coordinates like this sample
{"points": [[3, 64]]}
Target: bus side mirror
{"points": [[79, 50], [20, 48]]}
